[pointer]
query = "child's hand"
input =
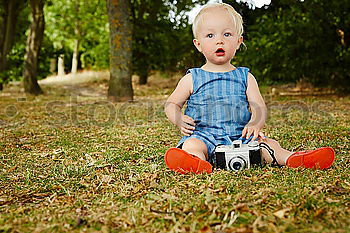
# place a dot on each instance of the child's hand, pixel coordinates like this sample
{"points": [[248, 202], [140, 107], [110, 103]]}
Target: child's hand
{"points": [[252, 130], [186, 125]]}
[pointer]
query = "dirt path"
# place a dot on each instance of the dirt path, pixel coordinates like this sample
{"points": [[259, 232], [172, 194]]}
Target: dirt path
{"points": [[88, 83]]}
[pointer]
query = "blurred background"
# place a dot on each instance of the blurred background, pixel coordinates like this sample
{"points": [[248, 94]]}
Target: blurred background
{"points": [[287, 41]]}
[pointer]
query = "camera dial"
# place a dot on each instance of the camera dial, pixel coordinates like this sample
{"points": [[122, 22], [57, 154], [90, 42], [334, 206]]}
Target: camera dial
{"points": [[237, 163], [253, 144]]}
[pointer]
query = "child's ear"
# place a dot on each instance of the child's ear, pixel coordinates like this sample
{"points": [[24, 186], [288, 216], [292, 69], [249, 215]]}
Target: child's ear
{"points": [[240, 41], [197, 44]]}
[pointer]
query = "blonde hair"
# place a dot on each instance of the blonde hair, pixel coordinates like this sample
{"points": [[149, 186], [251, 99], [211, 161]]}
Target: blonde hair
{"points": [[236, 17]]}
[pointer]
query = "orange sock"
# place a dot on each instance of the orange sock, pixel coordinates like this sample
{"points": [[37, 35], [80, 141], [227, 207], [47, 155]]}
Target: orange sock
{"points": [[321, 158], [180, 161]]}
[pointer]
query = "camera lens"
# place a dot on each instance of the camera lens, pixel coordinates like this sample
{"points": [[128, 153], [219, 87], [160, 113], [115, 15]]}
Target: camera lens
{"points": [[237, 164]]}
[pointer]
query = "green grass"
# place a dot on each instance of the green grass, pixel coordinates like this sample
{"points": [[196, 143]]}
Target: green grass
{"points": [[79, 163]]}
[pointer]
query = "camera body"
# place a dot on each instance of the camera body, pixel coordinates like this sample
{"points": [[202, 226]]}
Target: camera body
{"points": [[237, 156]]}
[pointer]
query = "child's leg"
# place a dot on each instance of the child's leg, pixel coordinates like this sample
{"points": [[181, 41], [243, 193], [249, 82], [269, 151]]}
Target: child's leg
{"points": [[321, 158], [281, 154], [191, 158], [196, 147]]}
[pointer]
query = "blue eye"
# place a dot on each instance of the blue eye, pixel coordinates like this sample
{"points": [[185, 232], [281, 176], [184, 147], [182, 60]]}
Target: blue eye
{"points": [[210, 35], [227, 34]]}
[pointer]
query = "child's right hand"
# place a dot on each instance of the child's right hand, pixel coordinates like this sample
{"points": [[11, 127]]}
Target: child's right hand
{"points": [[186, 125]]}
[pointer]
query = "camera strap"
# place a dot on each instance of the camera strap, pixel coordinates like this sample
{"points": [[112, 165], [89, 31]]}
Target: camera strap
{"points": [[271, 152]]}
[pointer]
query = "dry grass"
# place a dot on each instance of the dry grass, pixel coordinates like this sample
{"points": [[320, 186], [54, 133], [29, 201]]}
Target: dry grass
{"points": [[73, 162]]}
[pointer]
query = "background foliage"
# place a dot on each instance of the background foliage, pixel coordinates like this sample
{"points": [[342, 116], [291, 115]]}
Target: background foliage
{"points": [[84, 20], [286, 41], [292, 40], [161, 35]]}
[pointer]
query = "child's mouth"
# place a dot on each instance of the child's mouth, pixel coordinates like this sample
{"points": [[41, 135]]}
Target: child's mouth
{"points": [[220, 52]]}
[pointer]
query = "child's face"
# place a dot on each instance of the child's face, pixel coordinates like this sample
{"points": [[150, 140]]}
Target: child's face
{"points": [[217, 37]]}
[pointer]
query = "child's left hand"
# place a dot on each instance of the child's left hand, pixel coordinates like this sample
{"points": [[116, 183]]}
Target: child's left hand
{"points": [[252, 130]]}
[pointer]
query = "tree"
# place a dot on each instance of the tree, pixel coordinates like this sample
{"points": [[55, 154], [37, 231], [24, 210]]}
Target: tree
{"points": [[35, 38], [161, 35], [120, 52], [9, 12], [77, 32], [78, 29]]}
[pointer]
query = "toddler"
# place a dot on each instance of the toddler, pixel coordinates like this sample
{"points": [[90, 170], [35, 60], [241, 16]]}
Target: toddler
{"points": [[224, 102]]}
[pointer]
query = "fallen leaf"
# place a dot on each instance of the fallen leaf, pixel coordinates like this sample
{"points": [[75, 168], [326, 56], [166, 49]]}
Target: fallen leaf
{"points": [[258, 222], [329, 200], [255, 178], [281, 213], [12, 168], [319, 212], [242, 207], [169, 197], [206, 229], [106, 179], [41, 194]]}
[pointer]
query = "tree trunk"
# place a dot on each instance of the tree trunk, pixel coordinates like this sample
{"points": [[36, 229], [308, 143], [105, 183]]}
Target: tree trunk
{"points": [[53, 63], [35, 38], [77, 39], [143, 77], [120, 49], [8, 23], [75, 57], [60, 65]]}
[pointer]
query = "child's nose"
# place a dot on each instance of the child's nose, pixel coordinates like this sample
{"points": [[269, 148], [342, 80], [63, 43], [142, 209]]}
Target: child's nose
{"points": [[220, 41]]}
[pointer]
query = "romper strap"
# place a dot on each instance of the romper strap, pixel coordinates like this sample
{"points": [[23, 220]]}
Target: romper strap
{"points": [[271, 152]]}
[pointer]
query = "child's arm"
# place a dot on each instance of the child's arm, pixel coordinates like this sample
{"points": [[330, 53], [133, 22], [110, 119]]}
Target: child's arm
{"points": [[174, 105], [258, 109]]}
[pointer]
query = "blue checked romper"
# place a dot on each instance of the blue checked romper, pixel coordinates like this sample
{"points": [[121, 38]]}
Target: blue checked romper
{"points": [[219, 106]]}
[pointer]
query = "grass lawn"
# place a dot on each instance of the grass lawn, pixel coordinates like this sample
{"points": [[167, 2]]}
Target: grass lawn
{"points": [[70, 161]]}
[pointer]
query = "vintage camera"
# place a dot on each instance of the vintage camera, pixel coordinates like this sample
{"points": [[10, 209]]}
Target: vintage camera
{"points": [[237, 156]]}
